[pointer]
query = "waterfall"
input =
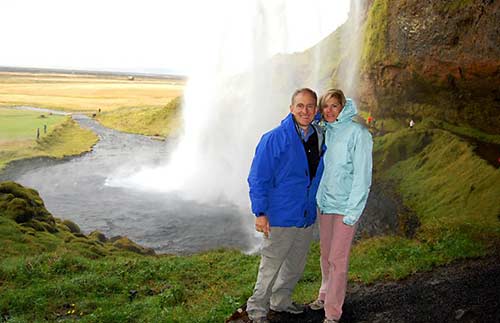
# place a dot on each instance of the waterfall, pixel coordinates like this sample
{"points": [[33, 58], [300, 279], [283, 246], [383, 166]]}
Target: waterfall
{"points": [[226, 111], [352, 42]]}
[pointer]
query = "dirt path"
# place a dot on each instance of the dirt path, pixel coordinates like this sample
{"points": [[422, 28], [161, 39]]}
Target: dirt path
{"points": [[466, 291]]}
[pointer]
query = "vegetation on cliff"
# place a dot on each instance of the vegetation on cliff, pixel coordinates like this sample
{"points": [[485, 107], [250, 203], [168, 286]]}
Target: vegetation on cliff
{"points": [[432, 60], [375, 34]]}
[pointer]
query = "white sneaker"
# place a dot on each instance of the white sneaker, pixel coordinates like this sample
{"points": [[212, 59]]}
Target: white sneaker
{"points": [[317, 305]]}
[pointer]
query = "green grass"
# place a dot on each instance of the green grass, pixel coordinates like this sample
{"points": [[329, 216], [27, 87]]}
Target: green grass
{"points": [[464, 130], [152, 121], [64, 136], [22, 125], [450, 188]]}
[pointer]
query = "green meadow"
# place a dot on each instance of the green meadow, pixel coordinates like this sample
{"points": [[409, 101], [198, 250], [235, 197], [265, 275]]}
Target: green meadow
{"points": [[18, 136], [22, 125]]}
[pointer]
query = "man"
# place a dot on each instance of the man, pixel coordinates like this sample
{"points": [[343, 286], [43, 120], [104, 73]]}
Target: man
{"points": [[283, 181]]}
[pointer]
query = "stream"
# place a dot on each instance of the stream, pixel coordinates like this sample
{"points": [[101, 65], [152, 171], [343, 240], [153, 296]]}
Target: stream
{"points": [[74, 188]]}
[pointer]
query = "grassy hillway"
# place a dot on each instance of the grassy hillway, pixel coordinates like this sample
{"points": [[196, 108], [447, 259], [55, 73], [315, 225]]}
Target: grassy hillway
{"points": [[48, 275]]}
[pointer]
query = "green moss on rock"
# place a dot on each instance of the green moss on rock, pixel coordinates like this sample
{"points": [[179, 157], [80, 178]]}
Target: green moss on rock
{"points": [[23, 204], [99, 236], [36, 230], [127, 244], [72, 226]]}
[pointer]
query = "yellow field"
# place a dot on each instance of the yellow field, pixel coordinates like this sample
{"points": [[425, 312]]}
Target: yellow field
{"points": [[85, 92]]}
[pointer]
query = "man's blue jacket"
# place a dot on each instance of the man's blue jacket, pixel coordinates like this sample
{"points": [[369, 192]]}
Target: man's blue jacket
{"points": [[280, 186]]}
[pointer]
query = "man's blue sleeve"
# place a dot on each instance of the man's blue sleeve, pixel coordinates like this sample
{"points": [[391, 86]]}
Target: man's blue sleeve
{"points": [[262, 171]]}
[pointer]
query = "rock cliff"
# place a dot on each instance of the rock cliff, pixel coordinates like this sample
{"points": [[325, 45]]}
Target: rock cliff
{"points": [[418, 59], [437, 59]]}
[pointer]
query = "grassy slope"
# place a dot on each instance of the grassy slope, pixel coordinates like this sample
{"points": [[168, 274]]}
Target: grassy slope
{"points": [[18, 136], [153, 121], [434, 170]]}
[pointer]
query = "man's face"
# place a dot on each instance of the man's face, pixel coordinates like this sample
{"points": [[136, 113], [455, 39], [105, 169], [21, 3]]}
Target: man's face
{"points": [[303, 109], [331, 109]]}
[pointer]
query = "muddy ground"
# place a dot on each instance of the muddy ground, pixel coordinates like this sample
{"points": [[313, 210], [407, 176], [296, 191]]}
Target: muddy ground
{"points": [[465, 291]]}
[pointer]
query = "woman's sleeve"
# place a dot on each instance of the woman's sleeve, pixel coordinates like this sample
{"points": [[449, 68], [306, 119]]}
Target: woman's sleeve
{"points": [[362, 177]]}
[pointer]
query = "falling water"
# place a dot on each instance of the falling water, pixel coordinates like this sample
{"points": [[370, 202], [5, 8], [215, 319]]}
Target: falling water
{"points": [[352, 41], [225, 112]]}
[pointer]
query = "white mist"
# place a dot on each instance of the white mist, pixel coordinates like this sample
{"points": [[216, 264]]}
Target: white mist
{"points": [[234, 95]]}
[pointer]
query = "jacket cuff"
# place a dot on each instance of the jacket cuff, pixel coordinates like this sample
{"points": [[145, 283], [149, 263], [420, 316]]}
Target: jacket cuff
{"points": [[349, 220]]}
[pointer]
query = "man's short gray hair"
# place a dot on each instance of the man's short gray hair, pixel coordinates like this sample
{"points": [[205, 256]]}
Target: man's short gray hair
{"points": [[304, 90]]}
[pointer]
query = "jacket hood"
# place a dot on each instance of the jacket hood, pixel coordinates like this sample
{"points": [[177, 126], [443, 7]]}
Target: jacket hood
{"points": [[348, 112]]}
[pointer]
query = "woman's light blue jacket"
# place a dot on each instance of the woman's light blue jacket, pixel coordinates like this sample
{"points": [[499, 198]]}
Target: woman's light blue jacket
{"points": [[347, 175]]}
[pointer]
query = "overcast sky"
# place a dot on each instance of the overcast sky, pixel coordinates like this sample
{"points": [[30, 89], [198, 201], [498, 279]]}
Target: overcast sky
{"points": [[149, 35]]}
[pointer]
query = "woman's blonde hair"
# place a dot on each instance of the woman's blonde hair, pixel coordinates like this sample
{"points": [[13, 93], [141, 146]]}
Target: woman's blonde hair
{"points": [[332, 93]]}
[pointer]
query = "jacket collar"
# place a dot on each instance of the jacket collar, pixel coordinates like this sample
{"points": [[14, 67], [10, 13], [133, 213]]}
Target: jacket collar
{"points": [[348, 112]]}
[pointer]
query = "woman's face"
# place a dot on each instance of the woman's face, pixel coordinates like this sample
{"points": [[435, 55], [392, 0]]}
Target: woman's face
{"points": [[331, 109]]}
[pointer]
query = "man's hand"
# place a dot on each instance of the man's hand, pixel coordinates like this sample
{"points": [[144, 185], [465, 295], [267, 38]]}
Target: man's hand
{"points": [[262, 225]]}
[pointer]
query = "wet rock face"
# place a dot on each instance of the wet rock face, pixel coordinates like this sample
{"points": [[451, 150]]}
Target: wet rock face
{"points": [[441, 59]]}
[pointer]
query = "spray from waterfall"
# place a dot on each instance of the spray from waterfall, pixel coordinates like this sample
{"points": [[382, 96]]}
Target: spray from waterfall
{"points": [[351, 45], [226, 112]]}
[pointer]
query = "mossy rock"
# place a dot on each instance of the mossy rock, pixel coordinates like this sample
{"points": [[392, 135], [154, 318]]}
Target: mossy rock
{"points": [[27, 230], [98, 235], [49, 227], [62, 227], [18, 210], [81, 240], [22, 204], [115, 238], [5, 197], [127, 244], [21, 192], [98, 251], [69, 238], [72, 226], [35, 225]]}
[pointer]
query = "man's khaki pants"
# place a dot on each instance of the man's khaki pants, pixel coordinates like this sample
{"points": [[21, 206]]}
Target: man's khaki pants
{"points": [[283, 258]]}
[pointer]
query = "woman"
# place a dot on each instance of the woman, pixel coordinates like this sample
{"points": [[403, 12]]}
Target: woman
{"points": [[341, 197]]}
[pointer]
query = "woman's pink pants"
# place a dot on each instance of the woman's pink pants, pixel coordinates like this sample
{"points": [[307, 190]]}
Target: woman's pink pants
{"points": [[335, 243]]}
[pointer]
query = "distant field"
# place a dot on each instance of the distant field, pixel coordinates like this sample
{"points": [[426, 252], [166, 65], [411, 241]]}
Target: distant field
{"points": [[18, 136], [85, 92], [18, 125]]}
